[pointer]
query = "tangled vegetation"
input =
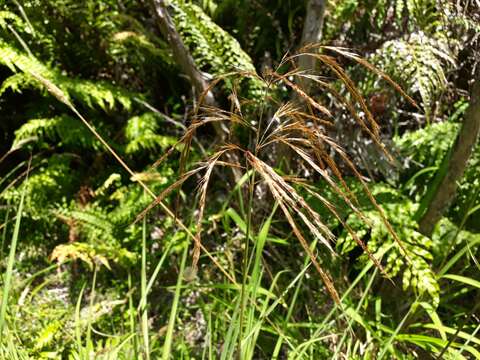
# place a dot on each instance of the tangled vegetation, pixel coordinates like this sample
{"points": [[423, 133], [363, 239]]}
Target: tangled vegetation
{"points": [[239, 179]]}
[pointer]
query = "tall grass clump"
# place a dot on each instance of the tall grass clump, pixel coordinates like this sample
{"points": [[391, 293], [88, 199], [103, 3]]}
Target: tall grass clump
{"points": [[283, 180], [273, 148]]}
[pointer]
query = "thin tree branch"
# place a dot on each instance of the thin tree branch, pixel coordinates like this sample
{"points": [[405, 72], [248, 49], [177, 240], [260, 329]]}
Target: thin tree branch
{"points": [[180, 52]]}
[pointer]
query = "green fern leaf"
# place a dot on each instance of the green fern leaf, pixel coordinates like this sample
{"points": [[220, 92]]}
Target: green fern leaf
{"points": [[419, 63], [61, 130], [141, 134], [90, 93], [416, 273], [214, 50], [7, 17], [17, 82]]}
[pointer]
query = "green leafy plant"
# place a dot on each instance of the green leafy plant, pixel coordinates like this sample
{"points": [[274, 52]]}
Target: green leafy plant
{"points": [[425, 149], [420, 64], [255, 195], [215, 51], [415, 266]]}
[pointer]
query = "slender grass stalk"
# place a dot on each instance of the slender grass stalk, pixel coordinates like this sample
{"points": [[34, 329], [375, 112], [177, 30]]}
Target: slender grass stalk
{"points": [[357, 310], [251, 191], [154, 276], [457, 257], [467, 214], [131, 311], [278, 345], [472, 336], [143, 300], [388, 343], [78, 326], [244, 295], [167, 346], [4, 232], [7, 176], [267, 311], [232, 335], [90, 306], [457, 332], [7, 280], [299, 352], [210, 336], [255, 327], [256, 278]]}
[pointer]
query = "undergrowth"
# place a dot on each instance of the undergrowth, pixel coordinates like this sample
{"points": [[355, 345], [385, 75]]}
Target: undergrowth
{"points": [[130, 231]]}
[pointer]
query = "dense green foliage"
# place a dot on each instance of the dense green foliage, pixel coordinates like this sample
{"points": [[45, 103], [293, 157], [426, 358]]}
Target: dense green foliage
{"points": [[304, 198]]}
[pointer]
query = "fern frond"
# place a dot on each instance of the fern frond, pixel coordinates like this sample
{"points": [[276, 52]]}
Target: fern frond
{"points": [[135, 39], [419, 63], [7, 18], [17, 82], [426, 148], [214, 50], [211, 46], [141, 134], [91, 254], [132, 201], [88, 92], [446, 231], [414, 15], [93, 219], [416, 273], [47, 187], [61, 130]]}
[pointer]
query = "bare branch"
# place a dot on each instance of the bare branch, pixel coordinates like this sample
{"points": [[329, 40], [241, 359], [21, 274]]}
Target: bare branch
{"points": [[180, 52]]}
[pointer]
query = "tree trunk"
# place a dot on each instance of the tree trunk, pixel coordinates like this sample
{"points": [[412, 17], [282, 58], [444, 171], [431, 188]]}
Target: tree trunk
{"points": [[464, 145], [312, 33]]}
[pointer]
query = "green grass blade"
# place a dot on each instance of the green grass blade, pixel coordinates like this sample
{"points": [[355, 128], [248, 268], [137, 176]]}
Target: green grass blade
{"points": [[131, 312], [11, 260], [463, 279], [388, 343], [78, 326], [143, 300], [167, 346]]}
